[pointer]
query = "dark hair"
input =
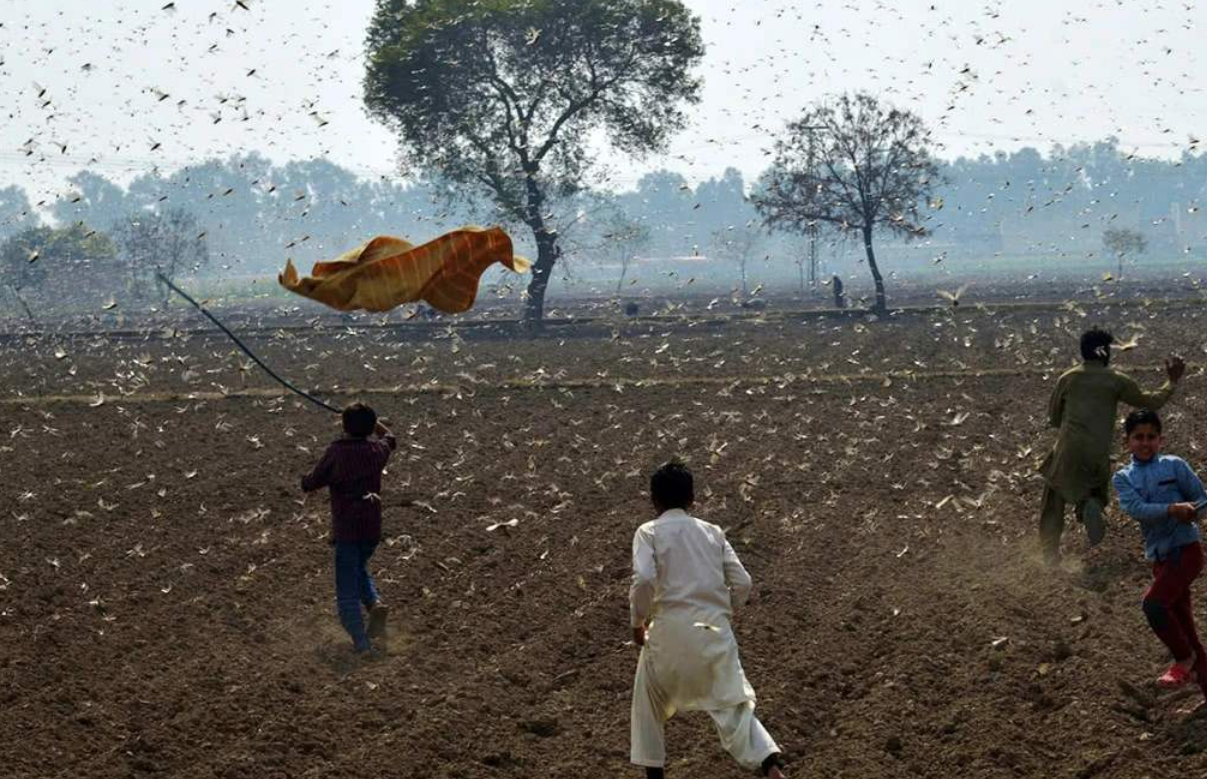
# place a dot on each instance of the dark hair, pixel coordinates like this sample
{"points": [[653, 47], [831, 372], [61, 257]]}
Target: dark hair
{"points": [[1096, 344], [359, 420], [671, 486], [1141, 416]]}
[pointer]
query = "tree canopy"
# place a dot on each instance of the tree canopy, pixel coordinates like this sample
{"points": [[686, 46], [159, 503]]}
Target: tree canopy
{"points": [[502, 96], [167, 242], [854, 164], [27, 258], [1123, 243], [15, 212]]}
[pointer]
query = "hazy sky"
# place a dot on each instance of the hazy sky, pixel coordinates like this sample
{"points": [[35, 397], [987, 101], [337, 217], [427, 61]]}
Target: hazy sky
{"points": [[984, 75]]}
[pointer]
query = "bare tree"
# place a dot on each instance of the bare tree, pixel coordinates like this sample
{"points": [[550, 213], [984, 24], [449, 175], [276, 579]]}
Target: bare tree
{"points": [[739, 244], [1123, 243], [854, 164], [168, 242], [623, 238], [29, 314]]}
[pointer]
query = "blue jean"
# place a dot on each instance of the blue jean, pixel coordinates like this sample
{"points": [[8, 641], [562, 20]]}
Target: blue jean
{"points": [[354, 587]]}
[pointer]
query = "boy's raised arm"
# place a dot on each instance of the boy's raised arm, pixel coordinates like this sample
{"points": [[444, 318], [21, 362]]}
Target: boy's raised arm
{"points": [[1131, 394], [386, 441], [736, 577]]}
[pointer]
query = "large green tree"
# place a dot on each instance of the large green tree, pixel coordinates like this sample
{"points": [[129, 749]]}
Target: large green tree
{"points": [[504, 96], [854, 164]]}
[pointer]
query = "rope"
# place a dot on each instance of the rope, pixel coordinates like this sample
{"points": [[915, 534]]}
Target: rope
{"points": [[243, 346]]}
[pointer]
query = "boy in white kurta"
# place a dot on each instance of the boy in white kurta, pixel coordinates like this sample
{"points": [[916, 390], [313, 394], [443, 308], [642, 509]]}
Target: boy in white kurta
{"points": [[686, 582]]}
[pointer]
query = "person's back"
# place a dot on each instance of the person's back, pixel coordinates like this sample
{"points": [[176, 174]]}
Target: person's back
{"points": [[686, 582], [1083, 406], [1087, 402], [351, 470], [694, 569]]}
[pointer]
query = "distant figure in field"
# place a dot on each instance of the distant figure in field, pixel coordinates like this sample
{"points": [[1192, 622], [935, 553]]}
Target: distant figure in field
{"points": [[351, 469], [687, 580], [1165, 496], [1084, 405], [839, 300]]}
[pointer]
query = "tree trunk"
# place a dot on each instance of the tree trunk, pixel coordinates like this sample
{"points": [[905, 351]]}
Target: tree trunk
{"points": [[546, 248], [542, 269], [624, 270], [28, 312], [165, 293], [881, 306]]}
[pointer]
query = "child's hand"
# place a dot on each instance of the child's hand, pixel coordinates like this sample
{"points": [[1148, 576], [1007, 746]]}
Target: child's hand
{"points": [[1175, 368], [1182, 512], [380, 429]]}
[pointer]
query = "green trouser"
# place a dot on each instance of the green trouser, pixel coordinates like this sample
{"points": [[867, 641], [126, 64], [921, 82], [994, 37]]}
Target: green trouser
{"points": [[1052, 519]]}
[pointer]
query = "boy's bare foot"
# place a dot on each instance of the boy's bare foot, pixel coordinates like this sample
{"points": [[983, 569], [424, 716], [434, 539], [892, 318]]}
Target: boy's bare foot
{"points": [[376, 628], [775, 773]]}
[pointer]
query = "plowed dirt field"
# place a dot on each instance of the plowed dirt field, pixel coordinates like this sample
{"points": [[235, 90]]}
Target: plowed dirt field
{"points": [[166, 596]]}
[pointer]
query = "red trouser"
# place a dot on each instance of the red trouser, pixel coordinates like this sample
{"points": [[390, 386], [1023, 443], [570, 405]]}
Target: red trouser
{"points": [[1167, 606]]}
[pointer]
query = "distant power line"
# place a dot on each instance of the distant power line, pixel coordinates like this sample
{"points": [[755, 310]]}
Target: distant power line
{"points": [[1053, 139], [141, 164]]}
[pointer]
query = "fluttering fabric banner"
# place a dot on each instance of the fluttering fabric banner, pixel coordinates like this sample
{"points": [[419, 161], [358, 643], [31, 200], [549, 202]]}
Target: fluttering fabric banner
{"points": [[387, 272]]}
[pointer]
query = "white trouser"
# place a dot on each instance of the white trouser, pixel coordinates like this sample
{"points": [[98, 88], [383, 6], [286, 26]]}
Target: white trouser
{"points": [[742, 735]]}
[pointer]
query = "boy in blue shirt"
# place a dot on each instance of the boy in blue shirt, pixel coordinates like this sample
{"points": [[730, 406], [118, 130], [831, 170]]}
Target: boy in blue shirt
{"points": [[1164, 495]]}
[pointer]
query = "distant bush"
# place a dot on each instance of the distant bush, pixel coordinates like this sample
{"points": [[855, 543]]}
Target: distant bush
{"points": [[62, 261]]}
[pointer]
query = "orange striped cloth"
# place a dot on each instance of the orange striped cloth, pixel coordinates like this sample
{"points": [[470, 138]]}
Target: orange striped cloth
{"points": [[387, 272]]}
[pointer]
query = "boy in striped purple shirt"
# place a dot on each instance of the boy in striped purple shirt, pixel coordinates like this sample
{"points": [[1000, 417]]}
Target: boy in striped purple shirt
{"points": [[351, 469]]}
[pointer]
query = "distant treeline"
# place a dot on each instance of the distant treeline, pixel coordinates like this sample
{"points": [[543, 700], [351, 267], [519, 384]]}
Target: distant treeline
{"points": [[254, 214]]}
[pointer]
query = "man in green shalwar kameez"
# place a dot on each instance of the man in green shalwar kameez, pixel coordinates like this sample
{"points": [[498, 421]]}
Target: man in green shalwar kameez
{"points": [[1084, 406]]}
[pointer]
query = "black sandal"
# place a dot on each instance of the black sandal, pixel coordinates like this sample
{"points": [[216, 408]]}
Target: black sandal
{"points": [[774, 760]]}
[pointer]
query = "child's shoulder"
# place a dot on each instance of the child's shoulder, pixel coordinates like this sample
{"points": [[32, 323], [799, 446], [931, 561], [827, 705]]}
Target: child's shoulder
{"points": [[1125, 470], [645, 528], [1173, 461], [714, 530]]}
